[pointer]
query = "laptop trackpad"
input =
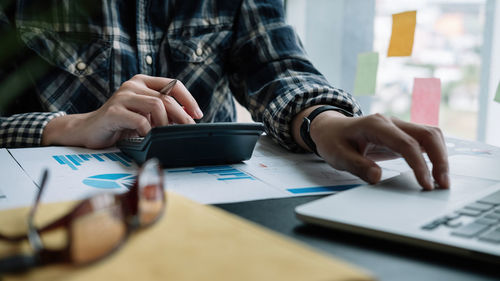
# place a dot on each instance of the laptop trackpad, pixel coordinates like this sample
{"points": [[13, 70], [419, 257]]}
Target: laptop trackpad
{"points": [[462, 187]]}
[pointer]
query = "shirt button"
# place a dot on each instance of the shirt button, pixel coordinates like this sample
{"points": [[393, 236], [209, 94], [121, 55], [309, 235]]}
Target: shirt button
{"points": [[81, 66], [199, 51], [149, 59]]}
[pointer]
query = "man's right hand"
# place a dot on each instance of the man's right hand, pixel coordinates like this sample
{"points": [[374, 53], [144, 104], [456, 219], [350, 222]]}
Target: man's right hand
{"points": [[133, 110]]}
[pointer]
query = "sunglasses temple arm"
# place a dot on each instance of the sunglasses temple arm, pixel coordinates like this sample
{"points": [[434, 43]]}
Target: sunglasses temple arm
{"points": [[33, 236], [18, 263], [21, 263]]}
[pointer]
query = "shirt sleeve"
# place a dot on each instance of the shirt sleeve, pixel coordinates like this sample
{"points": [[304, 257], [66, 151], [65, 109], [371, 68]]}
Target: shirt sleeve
{"points": [[272, 76], [24, 130]]}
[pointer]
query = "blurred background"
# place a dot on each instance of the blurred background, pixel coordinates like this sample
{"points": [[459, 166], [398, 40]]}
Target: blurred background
{"points": [[457, 41]]}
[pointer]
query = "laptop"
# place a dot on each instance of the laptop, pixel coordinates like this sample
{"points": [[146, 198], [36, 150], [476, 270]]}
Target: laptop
{"points": [[463, 220]]}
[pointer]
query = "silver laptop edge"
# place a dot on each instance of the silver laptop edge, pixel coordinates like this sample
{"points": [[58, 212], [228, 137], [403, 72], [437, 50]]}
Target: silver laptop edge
{"points": [[397, 209]]}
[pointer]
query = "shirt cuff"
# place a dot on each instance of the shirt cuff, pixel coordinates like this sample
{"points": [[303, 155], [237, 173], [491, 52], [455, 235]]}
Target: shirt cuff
{"points": [[26, 129], [281, 111]]}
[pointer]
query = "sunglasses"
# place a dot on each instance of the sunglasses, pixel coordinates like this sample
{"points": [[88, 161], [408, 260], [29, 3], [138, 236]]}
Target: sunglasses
{"points": [[96, 227]]}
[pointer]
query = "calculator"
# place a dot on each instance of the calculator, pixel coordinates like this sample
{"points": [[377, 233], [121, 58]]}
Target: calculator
{"points": [[195, 144]]}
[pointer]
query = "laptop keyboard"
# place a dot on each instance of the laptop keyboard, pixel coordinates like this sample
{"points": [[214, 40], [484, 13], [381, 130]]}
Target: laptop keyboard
{"points": [[483, 223]]}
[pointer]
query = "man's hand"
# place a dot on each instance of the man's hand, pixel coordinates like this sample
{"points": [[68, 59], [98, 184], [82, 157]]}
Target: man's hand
{"points": [[346, 144], [133, 110]]}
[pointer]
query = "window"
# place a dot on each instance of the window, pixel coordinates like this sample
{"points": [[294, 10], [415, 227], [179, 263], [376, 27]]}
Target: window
{"points": [[450, 44]]}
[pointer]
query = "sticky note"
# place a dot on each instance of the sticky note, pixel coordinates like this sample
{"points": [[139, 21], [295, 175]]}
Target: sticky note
{"points": [[425, 101], [366, 74], [403, 32], [497, 95]]}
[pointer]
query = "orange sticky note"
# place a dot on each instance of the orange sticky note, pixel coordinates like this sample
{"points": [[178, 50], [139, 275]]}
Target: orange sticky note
{"points": [[403, 32], [425, 101]]}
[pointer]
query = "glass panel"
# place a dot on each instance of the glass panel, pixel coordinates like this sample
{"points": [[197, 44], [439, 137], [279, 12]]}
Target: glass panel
{"points": [[448, 40]]}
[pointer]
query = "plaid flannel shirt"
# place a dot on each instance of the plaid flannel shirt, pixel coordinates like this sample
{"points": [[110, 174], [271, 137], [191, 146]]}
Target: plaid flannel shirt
{"points": [[86, 49]]}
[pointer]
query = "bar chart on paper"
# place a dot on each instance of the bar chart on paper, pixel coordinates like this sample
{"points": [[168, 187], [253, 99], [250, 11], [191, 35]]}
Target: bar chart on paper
{"points": [[74, 161], [219, 173], [219, 184], [75, 173]]}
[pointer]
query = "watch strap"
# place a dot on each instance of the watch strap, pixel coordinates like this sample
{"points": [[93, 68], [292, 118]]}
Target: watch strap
{"points": [[305, 128]]}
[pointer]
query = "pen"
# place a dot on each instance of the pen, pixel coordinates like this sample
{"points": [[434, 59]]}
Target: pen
{"points": [[166, 90]]}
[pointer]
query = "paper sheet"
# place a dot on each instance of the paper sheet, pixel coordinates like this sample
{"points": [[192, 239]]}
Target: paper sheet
{"points": [[17, 189], [403, 31], [220, 184], [497, 95], [75, 173], [271, 173], [425, 101], [475, 166], [366, 74], [299, 174], [466, 158]]}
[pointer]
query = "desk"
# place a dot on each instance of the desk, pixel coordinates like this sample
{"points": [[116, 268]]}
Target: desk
{"points": [[386, 260]]}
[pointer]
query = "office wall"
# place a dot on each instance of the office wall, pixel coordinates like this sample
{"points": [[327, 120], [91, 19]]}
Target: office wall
{"points": [[333, 33], [489, 111]]}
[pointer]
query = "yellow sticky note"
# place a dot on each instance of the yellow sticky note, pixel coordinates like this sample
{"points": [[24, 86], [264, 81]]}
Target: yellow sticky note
{"points": [[403, 32], [497, 95]]}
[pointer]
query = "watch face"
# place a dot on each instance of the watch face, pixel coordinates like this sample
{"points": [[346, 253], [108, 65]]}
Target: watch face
{"points": [[305, 134]]}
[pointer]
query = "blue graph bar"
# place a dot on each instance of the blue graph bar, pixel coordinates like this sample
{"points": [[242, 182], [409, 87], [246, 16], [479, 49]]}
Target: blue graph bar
{"points": [[58, 159], [64, 161], [223, 173], [114, 157], [98, 157], [110, 156], [74, 160], [318, 189], [122, 160], [235, 178], [84, 157], [218, 172], [237, 173], [125, 157]]}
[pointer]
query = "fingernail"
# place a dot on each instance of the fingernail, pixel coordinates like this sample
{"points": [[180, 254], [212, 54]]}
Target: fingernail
{"points": [[429, 182], [445, 180], [199, 114], [373, 174]]}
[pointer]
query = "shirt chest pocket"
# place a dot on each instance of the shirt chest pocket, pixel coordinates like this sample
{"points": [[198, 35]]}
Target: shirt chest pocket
{"points": [[75, 55], [199, 45]]}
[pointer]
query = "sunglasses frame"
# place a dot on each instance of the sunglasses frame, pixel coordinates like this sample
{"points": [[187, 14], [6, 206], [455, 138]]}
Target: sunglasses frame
{"points": [[127, 202]]}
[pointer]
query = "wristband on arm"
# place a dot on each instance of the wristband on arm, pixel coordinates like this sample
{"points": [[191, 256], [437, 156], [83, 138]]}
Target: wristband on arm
{"points": [[305, 128]]}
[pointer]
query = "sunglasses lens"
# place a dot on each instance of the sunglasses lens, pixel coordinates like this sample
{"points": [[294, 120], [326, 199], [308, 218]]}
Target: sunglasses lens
{"points": [[99, 232], [151, 195]]}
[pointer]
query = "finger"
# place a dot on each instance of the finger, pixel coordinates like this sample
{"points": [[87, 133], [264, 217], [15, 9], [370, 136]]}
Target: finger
{"points": [[179, 92], [129, 120], [146, 105], [433, 142], [383, 132], [176, 112], [347, 158], [172, 109]]}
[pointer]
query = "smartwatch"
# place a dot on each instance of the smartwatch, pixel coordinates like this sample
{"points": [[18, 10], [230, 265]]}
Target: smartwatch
{"points": [[305, 128]]}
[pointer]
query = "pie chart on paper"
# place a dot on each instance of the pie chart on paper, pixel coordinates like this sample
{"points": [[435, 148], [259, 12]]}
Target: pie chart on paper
{"points": [[110, 181]]}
